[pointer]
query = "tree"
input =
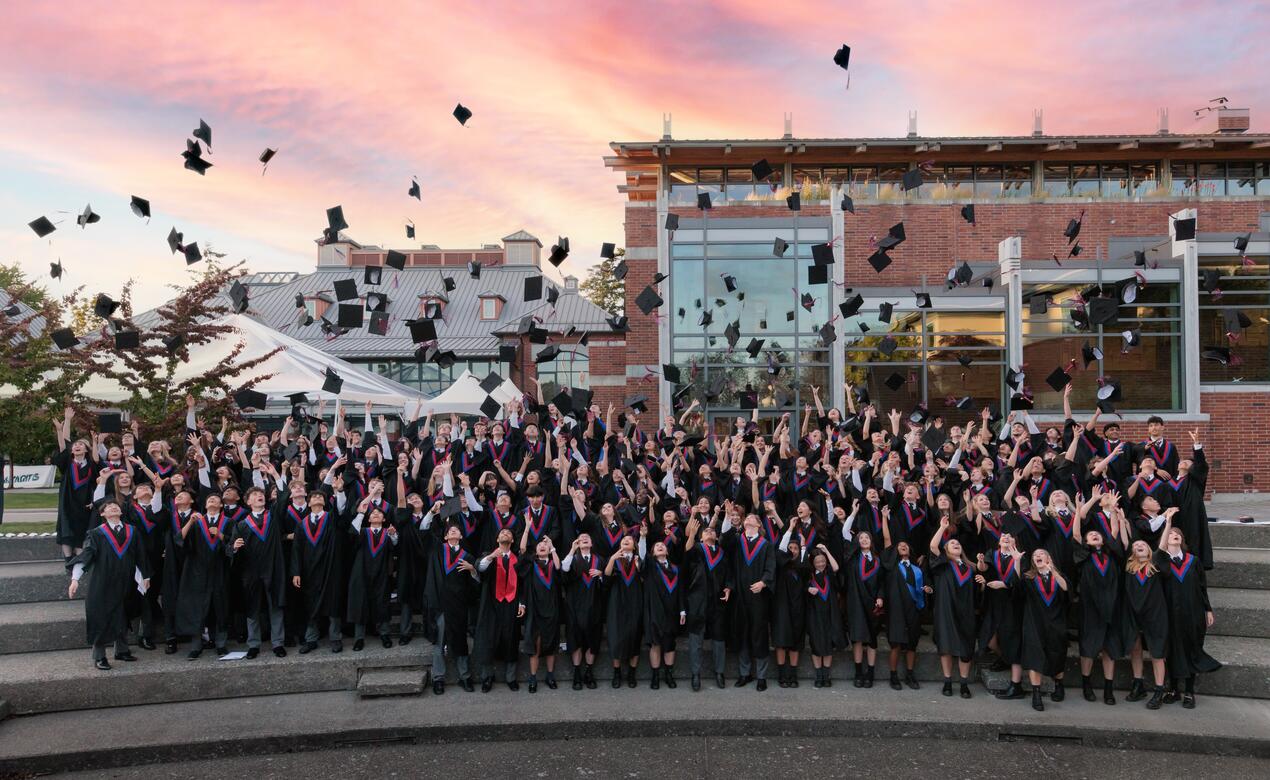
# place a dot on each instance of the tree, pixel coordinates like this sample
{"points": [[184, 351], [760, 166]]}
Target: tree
{"points": [[604, 289]]}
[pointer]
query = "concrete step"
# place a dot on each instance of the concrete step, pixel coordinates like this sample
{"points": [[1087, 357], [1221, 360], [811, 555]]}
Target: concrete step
{"points": [[390, 682], [41, 625], [1240, 567], [67, 680], [25, 582], [1226, 534], [1240, 612], [28, 548]]}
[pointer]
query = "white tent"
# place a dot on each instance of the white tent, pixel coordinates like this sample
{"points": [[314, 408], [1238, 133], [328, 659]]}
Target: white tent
{"points": [[298, 368], [465, 396]]}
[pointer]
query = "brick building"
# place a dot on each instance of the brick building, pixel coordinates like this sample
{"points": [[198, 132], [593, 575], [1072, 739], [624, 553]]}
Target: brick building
{"points": [[1124, 189]]}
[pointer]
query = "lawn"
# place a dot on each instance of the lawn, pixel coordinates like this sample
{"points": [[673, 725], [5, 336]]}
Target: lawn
{"points": [[9, 527], [25, 499]]}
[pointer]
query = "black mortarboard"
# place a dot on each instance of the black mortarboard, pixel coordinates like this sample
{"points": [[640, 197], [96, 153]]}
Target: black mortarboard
{"points": [[422, 330], [394, 259], [462, 113], [449, 283], [1235, 320], [175, 240], [888, 243], [817, 274], [1073, 229], [1021, 401], [748, 400], [251, 399], [127, 339], [912, 179], [988, 281], [828, 334], [474, 270], [1038, 305], [779, 247], [887, 345], [506, 353], [884, 311], [444, 359], [1129, 291], [333, 382], [1184, 229], [852, 305], [173, 342], [109, 422], [104, 306], [581, 398], [266, 156], [660, 277], [350, 315], [879, 260], [490, 408], [648, 300], [12, 310], [1075, 250], [919, 416], [64, 338], [140, 207], [345, 289], [842, 57], [1058, 379], [964, 274], [194, 161], [1014, 378], [1139, 257], [1103, 311], [822, 254], [965, 360], [1106, 407], [754, 347], [1210, 280], [55, 269], [964, 403], [671, 373], [808, 302], [533, 288], [451, 506], [761, 170], [548, 352], [335, 220], [1108, 390], [553, 295], [559, 252], [297, 399], [923, 300], [895, 381], [42, 226], [672, 221], [192, 253], [491, 382], [715, 388], [703, 201], [1241, 242], [414, 191], [968, 213], [848, 205], [410, 231], [1090, 354], [203, 133], [376, 302], [373, 274], [1218, 354], [1131, 338], [729, 282], [732, 333], [795, 201]]}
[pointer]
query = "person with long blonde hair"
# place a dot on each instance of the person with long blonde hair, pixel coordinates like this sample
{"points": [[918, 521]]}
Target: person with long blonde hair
{"points": [[1190, 615], [954, 612], [1044, 647], [1104, 625], [1148, 620]]}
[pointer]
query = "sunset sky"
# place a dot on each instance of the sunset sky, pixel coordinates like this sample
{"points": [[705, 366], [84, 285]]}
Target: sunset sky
{"points": [[97, 101]]}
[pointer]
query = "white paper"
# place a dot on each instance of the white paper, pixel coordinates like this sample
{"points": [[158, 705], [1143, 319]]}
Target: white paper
{"points": [[237, 655], [141, 581]]}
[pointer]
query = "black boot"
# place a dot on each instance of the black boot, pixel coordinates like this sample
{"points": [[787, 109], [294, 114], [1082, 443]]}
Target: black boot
{"points": [[669, 672], [1059, 693], [655, 679], [947, 690], [895, 682], [868, 677], [1037, 704], [617, 677], [1157, 698], [859, 675], [911, 680], [1012, 691], [828, 677], [696, 681], [793, 675], [1108, 693], [630, 677], [588, 676], [1087, 687], [780, 676], [577, 678], [1138, 691], [820, 677], [965, 689]]}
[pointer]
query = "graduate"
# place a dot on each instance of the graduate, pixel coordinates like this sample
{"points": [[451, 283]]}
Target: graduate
{"points": [[754, 574], [1148, 619], [865, 601], [368, 581], [954, 610], [452, 586], [710, 587], [502, 607], [145, 514], [1190, 616], [625, 606], [583, 573], [665, 613], [1002, 626], [77, 462], [203, 598], [1104, 625], [317, 565], [906, 593], [256, 547], [1189, 486], [1044, 646], [789, 607], [542, 586], [412, 563], [824, 619], [114, 556]]}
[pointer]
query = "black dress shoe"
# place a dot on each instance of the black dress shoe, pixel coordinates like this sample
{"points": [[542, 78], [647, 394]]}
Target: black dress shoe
{"points": [[762, 685], [308, 647], [533, 685], [404, 639], [252, 652], [487, 685], [512, 685], [222, 651], [438, 687], [965, 691], [280, 651], [337, 647], [358, 645], [126, 657], [466, 684], [1059, 693], [195, 653], [146, 644], [551, 681], [1188, 701], [102, 664], [169, 647], [720, 682], [385, 640], [696, 682], [743, 681]]}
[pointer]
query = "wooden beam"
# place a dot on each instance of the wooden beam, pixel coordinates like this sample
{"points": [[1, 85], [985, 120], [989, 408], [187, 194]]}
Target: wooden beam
{"points": [[1128, 145], [1058, 146], [1259, 145], [861, 148], [1199, 143], [994, 147]]}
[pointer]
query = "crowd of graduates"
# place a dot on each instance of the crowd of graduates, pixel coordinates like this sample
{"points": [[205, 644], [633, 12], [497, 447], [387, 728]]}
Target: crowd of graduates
{"points": [[562, 528]]}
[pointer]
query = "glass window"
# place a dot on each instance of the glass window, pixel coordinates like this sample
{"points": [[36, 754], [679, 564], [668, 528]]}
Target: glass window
{"points": [[740, 184], [950, 182], [1016, 181], [864, 182], [889, 178], [683, 187], [489, 308], [1084, 181], [1115, 181], [567, 369], [1240, 179], [1142, 177], [1246, 289], [1057, 180], [1263, 178], [988, 181], [1184, 183], [1212, 179], [710, 180]]}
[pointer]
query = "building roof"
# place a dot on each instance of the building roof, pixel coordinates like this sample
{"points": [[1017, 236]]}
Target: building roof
{"points": [[521, 235], [34, 323]]}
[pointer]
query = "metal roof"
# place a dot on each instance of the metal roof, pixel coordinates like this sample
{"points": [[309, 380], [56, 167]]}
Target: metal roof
{"points": [[34, 324]]}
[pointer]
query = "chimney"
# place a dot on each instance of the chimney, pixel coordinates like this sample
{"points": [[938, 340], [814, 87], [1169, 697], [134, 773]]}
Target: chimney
{"points": [[912, 124], [1233, 121], [1038, 122], [665, 127], [1164, 121], [789, 126], [571, 284]]}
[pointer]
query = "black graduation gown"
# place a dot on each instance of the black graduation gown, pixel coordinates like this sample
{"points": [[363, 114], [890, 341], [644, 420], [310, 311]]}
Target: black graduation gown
{"points": [[989, 537], [1002, 608], [583, 603], [544, 522], [412, 564], [260, 563], [204, 576], [151, 526], [905, 600], [1165, 455], [624, 624], [663, 601], [824, 619], [450, 591], [1104, 622], [1060, 545], [954, 609], [1186, 594], [492, 522], [1044, 625], [908, 524], [1029, 532], [74, 498], [605, 538], [542, 587], [751, 562], [1192, 518], [368, 581], [865, 584], [497, 625], [110, 563], [1157, 487], [708, 575], [1147, 610], [317, 557]]}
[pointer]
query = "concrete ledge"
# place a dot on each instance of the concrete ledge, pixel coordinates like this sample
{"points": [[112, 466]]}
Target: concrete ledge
{"points": [[1256, 535], [28, 581], [28, 548], [1240, 568], [405, 682], [108, 738]]}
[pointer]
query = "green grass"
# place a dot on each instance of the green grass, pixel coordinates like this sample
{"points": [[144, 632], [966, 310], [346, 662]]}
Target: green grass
{"points": [[8, 527], [22, 499]]}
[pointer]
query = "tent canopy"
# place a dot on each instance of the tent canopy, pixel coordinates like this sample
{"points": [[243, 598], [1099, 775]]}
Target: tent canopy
{"points": [[465, 396], [298, 368]]}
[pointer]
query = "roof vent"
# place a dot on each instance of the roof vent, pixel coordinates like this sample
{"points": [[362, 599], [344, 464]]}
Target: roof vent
{"points": [[789, 126], [1164, 121], [665, 127], [571, 284], [912, 124], [1233, 121], [1038, 122]]}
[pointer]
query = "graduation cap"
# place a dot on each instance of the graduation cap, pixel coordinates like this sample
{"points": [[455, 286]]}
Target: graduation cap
{"points": [[1014, 378], [912, 179], [194, 161], [1129, 291], [828, 334], [394, 259], [506, 353], [88, 217], [1108, 390], [1058, 379], [410, 231], [965, 360], [794, 201], [1103, 311], [1074, 251], [968, 213], [581, 398], [649, 300], [842, 57], [1210, 280], [104, 306], [851, 306], [754, 347], [491, 382], [895, 381], [619, 323], [1241, 242], [1021, 401], [703, 201], [879, 260], [332, 382], [660, 277], [638, 402], [887, 345], [335, 221], [140, 207], [1089, 353], [672, 221], [453, 505], [1131, 338], [1184, 229], [345, 289], [549, 352], [110, 422], [559, 251], [1235, 320], [174, 342], [444, 360], [848, 204], [1080, 319], [1216, 354], [265, 157], [964, 403], [251, 399], [64, 338], [42, 226], [474, 270], [732, 333], [490, 407], [761, 170], [127, 339], [822, 254], [55, 269], [780, 246], [963, 274], [729, 281], [1139, 258], [718, 383], [175, 240], [884, 311], [1038, 305], [808, 302], [12, 309], [373, 274], [192, 253], [988, 282], [817, 274], [533, 288], [923, 300], [462, 113], [203, 133], [414, 189], [671, 373], [553, 295], [1073, 228], [350, 315], [422, 330]]}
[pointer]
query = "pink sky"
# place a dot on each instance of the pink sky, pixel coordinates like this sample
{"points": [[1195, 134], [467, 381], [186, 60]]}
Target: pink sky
{"points": [[97, 102]]}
